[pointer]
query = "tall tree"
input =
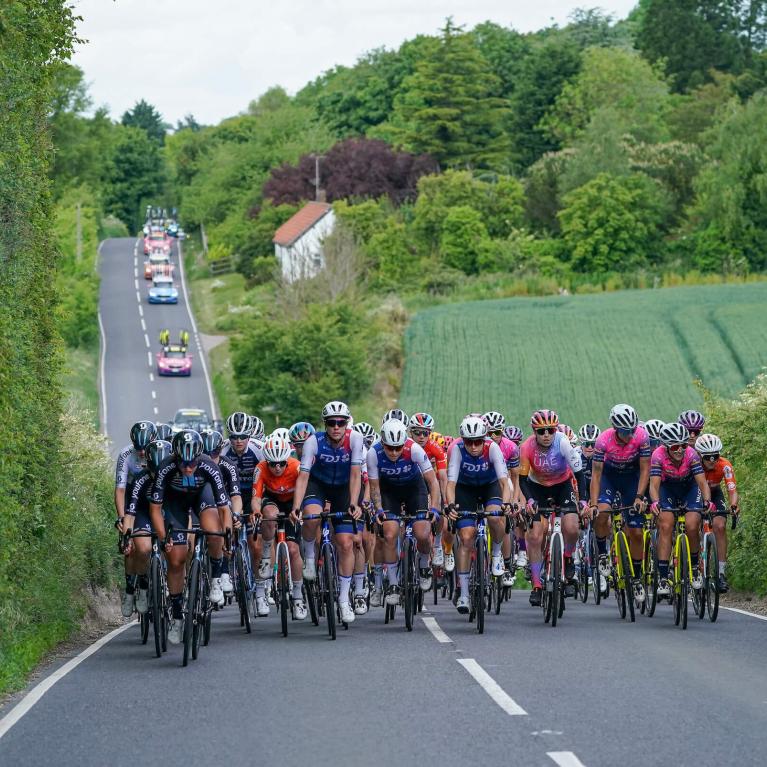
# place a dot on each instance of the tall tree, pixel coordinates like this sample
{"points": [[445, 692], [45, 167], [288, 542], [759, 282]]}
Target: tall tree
{"points": [[450, 106], [145, 116]]}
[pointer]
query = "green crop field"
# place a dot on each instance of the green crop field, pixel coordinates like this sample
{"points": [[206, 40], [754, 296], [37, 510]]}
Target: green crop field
{"points": [[581, 354]]}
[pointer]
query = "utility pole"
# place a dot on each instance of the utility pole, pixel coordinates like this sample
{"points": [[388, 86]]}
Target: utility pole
{"points": [[317, 158], [78, 235]]}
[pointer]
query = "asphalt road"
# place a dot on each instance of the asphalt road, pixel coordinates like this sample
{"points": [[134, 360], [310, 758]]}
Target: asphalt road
{"points": [[131, 327], [594, 691]]}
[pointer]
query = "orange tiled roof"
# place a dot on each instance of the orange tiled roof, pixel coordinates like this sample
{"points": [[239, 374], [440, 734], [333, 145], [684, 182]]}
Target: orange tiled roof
{"points": [[300, 223]]}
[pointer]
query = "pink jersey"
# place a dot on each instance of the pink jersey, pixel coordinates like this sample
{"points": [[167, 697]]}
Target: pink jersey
{"points": [[662, 466], [510, 453], [549, 466], [619, 456]]}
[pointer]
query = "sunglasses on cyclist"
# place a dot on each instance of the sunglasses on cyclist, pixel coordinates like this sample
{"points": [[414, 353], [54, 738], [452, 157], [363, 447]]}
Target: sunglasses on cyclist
{"points": [[588, 444], [549, 430], [714, 457], [419, 432], [677, 448], [336, 423], [190, 464], [276, 464], [395, 448], [496, 432], [626, 432], [239, 436], [474, 442]]}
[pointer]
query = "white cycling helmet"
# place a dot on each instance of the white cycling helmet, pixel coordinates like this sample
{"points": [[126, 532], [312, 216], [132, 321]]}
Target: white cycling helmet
{"points": [[336, 409], [708, 444], [624, 417], [494, 420], [472, 427], [589, 432], [282, 433], [393, 433], [256, 427], [674, 434], [397, 414], [653, 427], [366, 430], [239, 423], [276, 448]]}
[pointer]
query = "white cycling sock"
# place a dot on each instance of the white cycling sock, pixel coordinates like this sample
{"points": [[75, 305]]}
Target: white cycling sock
{"points": [[346, 582], [722, 565], [359, 582], [392, 570], [496, 549], [463, 582], [297, 586], [309, 549], [261, 588]]}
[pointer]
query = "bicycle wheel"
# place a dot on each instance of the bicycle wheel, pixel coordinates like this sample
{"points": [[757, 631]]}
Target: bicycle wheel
{"points": [[480, 583], [594, 562], [206, 609], [650, 576], [698, 596], [158, 613], [556, 579], [628, 588], [190, 618], [498, 593], [684, 583], [329, 593], [583, 574], [242, 593], [143, 619], [711, 586], [310, 591], [406, 576], [283, 604]]}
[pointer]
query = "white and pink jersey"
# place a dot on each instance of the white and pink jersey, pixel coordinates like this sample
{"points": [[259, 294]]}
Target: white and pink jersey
{"points": [[548, 466], [621, 456], [662, 466]]}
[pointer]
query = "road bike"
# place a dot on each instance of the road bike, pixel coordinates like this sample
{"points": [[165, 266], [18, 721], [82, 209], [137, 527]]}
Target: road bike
{"points": [[244, 581], [707, 599], [650, 577], [553, 597], [621, 566], [586, 560], [680, 567], [284, 575]]}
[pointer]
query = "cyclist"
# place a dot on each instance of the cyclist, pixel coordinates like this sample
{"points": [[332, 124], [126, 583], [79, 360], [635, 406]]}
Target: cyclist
{"points": [[514, 433], [588, 435], [188, 481], [137, 518], [396, 413], [130, 462], [476, 476], [273, 492], [496, 423], [716, 469], [164, 432], [299, 433], [548, 463], [420, 428], [330, 472], [400, 471], [677, 480], [164, 337], [212, 444], [653, 427], [257, 432], [693, 421], [621, 467]]}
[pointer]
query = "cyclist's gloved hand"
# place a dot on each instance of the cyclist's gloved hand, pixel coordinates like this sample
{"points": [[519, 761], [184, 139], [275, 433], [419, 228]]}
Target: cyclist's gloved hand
{"points": [[735, 509], [639, 504], [711, 507], [355, 512], [530, 505], [452, 511], [584, 506], [380, 513], [295, 516], [655, 507]]}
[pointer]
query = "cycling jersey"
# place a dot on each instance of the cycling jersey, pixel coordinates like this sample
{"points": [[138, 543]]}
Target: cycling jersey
{"points": [[618, 456], [463, 468], [206, 474], [721, 470], [510, 453], [548, 466], [436, 455], [231, 477], [328, 464], [662, 466], [586, 463], [269, 484], [246, 464], [409, 465], [129, 465]]}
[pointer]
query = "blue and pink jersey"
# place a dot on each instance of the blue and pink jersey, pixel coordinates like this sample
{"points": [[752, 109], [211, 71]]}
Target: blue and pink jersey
{"points": [[662, 466], [620, 456], [510, 453]]}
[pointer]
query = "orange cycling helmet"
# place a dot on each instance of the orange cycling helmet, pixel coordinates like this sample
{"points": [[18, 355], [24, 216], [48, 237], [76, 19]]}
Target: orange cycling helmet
{"points": [[544, 418], [435, 436]]}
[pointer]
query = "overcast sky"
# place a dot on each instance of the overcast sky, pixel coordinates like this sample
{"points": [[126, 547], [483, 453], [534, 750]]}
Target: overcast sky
{"points": [[212, 57]]}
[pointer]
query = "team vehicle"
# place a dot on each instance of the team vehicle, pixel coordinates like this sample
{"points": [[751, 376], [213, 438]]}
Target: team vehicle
{"points": [[190, 418], [162, 291], [157, 263], [156, 240], [174, 360]]}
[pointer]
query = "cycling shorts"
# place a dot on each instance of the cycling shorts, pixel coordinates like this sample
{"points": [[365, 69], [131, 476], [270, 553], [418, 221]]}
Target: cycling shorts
{"points": [[413, 494], [614, 483], [562, 494], [176, 508], [717, 496], [283, 507], [468, 497], [140, 521], [319, 493], [675, 494]]}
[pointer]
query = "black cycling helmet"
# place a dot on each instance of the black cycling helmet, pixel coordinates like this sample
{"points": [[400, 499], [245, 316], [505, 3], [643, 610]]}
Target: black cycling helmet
{"points": [[164, 432], [142, 433], [212, 441], [187, 445], [156, 453]]}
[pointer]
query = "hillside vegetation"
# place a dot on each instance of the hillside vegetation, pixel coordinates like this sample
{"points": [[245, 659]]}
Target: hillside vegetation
{"points": [[582, 354]]}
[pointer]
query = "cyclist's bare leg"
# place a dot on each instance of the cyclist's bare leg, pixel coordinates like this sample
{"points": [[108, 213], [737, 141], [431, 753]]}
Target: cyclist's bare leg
{"points": [[720, 533], [447, 536], [534, 539], [210, 521], [602, 527], [665, 532]]}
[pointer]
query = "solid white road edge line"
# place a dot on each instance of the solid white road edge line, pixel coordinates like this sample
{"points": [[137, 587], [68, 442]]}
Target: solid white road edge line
{"points": [[37, 692], [565, 758], [744, 612], [213, 411], [491, 687], [436, 631], [102, 376]]}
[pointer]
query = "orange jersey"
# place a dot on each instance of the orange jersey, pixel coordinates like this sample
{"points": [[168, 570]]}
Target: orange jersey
{"points": [[281, 487], [722, 470], [436, 455]]}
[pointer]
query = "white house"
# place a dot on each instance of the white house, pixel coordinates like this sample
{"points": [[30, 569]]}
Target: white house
{"points": [[298, 242]]}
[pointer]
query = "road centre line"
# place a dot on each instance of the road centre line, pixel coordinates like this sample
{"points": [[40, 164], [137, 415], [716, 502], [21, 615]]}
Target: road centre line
{"points": [[143, 324], [149, 357], [135, 282], [140, 310], [154, 394], [565, 758], [135, 271], [33, 696], [151, 377], [491, 687], [146, 341], [156, 411], [436, 631], [138, 296]]}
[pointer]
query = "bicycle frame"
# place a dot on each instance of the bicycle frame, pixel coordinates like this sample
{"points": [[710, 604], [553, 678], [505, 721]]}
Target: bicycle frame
{"points": [[680, 539]]}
